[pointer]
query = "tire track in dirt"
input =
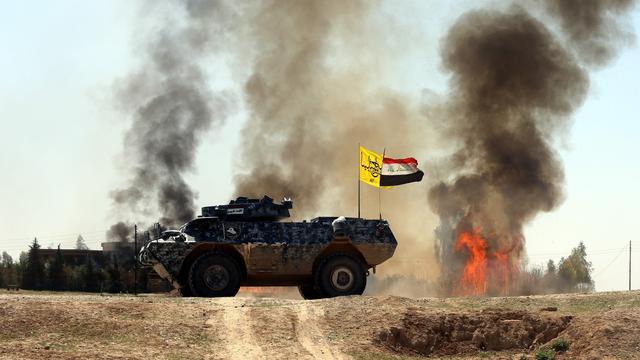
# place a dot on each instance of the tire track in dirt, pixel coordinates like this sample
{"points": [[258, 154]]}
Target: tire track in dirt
{"points": [[311, 335], [234, 329], [275, 327], [269, 329]]}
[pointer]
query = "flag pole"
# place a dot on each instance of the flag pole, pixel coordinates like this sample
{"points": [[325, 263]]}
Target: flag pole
{"points": [[358, 178], [384, 152]]}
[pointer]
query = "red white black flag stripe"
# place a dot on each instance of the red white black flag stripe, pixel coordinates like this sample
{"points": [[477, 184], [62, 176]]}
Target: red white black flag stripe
{"points": [[399, 171]]}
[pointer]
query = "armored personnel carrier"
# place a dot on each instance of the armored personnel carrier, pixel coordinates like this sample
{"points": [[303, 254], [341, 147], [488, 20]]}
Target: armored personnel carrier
{"points": [[246, 243]]}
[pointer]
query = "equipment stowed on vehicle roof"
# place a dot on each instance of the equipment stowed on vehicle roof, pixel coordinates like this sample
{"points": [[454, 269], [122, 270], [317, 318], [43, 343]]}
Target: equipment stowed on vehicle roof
{"points": [[246, 209]]}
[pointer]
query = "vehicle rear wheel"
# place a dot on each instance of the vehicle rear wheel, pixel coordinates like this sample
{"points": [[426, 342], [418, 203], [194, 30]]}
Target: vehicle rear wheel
{"points": [[341, 275], [309, 292], [215, 274]]}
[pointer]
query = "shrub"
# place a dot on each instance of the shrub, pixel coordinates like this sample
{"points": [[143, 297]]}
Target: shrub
{"points": [[545, 353], [560, 345]]}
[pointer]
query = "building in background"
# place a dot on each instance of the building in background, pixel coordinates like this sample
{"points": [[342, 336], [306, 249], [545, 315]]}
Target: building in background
{"points": [[123, 251]]}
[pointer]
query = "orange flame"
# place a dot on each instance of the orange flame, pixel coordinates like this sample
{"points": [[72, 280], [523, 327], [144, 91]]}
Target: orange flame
{"points": [[501, 271], [474, 275], [484, 272]]}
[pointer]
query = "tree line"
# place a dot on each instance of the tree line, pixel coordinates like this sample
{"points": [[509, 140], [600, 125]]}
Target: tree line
{"points": [[112, 273], [570, 274]]}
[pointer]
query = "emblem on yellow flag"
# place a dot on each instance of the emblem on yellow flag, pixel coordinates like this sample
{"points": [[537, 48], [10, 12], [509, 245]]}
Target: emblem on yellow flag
{"points": [[370, 167]]}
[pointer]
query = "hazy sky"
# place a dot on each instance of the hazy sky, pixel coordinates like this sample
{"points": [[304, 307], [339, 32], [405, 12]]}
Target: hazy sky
{"points": [[61, 145]]}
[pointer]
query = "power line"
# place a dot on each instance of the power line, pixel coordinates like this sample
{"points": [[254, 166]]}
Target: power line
{"points": [[612, 261], [599, 251], [30, 237]]}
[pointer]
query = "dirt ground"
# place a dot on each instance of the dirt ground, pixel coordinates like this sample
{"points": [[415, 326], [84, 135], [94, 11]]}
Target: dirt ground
{"points": [[44, 325]]}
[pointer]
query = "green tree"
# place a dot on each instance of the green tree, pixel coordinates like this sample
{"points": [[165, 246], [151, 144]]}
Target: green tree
{"points": [[21, 266], [550, 279], [7, 270], [90, 277], [6, 259], [575, 270], [115, 280], [81, 244], [34, 275], [56, 273], [74, 277], [551, 267]]}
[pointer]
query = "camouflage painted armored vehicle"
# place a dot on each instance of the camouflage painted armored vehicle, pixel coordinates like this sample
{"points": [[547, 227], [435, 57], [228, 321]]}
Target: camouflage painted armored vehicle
{"points": [[246, 243]]}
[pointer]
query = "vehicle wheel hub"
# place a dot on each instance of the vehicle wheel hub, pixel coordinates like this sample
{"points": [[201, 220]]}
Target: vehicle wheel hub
{"points": [[342, 278], [216, 277]]}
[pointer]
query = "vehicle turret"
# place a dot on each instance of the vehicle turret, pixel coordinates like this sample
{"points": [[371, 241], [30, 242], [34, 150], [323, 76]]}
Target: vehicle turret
{"points": [[245, 209]]}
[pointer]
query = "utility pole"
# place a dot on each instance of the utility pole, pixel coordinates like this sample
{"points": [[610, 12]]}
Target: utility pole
{"points": [[135, 261], [629, 265]]}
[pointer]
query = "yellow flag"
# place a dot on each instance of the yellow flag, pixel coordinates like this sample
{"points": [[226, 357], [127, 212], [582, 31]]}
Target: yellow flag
{"points": [[370, 167]]}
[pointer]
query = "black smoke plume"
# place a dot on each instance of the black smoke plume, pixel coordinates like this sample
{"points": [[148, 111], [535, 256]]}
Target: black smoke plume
{"points": [[596, 29], [171, 108], [120, 232]]}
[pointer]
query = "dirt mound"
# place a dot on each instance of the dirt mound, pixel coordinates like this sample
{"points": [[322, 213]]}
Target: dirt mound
{"points": [[610, 334], [455, 333]]}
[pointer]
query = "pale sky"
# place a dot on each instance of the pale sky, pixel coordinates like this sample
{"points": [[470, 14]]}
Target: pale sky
{"points": [[62, 137]]}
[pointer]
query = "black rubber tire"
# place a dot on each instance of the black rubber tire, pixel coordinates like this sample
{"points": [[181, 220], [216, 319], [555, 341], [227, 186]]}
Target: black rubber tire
{"points": [[223, 262], [309, 292], [327, 268]]}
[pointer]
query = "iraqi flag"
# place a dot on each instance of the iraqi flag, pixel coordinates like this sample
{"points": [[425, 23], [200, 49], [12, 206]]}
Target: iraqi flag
{"points": [[399, 171], [377, 170]]}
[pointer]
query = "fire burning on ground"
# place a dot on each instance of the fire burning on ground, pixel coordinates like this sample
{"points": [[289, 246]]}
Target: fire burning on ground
{"points": [[484, 266], [474, 275]]}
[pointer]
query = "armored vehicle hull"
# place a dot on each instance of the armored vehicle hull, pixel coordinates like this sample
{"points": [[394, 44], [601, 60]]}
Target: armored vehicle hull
{"points": [[324, 257]]}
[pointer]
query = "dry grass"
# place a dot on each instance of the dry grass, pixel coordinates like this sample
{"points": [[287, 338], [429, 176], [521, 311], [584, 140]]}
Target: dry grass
{"points": [[78, 326]]}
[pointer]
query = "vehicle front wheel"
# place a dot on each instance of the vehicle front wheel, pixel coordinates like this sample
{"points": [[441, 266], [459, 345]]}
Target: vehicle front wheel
{"points": [[341, 275], [309, 292], [215, 274]]}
